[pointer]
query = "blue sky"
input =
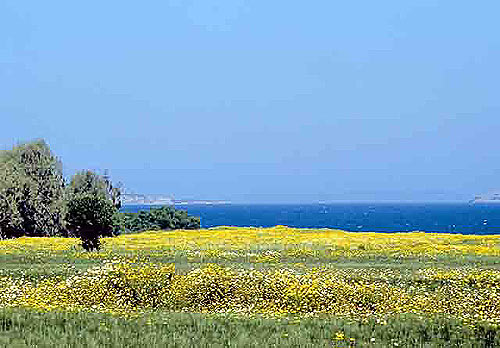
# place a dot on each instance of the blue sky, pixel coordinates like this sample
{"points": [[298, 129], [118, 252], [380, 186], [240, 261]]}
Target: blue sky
{"points": [[260, 101]]}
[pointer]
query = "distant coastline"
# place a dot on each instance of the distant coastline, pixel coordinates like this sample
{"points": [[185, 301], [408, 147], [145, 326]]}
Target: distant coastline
{"points": [[489, 198], [159, 199]]}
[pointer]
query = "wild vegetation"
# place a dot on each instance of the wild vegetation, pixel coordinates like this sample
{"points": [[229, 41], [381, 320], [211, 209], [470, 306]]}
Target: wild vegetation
{"points": [[31, 192], [254, 286], [162, 218], [35, 201]]}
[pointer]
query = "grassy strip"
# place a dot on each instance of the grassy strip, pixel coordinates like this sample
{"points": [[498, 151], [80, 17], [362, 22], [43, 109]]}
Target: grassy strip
{"points": [[23, 328], [34, 265]]}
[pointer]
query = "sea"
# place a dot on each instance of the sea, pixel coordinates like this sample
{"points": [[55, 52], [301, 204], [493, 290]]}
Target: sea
{"points": [[455, 217]]}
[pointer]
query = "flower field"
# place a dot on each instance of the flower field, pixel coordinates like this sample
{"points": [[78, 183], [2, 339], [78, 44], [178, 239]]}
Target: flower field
{"points": [[275, 274]]}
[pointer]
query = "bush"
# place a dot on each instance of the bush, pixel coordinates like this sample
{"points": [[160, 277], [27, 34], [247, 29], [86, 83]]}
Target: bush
{"points": [[91, 208], [164, 218], [90, 217]]}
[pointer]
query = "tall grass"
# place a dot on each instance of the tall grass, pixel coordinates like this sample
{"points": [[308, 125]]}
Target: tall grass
{"points": [[23, 328]]}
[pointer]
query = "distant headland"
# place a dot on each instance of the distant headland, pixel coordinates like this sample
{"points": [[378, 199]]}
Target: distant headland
{"points": [[486, 198], [161, 199]]}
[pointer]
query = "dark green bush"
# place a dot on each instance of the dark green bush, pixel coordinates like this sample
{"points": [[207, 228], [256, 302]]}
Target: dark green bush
{"points": [[90, 217], [92, 208], [164, 218]]}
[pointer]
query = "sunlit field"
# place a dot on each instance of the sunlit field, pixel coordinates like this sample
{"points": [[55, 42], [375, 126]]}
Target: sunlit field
{"points": [[245, 287]]}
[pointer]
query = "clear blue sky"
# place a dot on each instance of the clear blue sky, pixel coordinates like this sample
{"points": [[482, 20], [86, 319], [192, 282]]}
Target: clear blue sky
{"points": [[260, 101]]}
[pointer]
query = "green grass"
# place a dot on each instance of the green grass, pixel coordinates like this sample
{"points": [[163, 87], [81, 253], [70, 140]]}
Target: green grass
{"points": [[42, 264], [22, 328]]}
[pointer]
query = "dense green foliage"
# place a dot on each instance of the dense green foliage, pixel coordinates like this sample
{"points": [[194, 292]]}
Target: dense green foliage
{"points": [[90, 217], [31, 192], [88, 182], [164, 218], [35, 201], [92, 203]]}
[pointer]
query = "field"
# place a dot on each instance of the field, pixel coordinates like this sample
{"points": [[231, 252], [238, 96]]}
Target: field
{"points": [[247, 287]]}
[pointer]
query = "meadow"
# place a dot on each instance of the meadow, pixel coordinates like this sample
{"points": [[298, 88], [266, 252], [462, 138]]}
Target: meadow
{"points": [[245, 287]]}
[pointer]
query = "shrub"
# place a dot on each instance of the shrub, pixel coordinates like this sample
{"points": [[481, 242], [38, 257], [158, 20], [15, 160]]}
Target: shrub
{"points": [[91, 208], [90, 217], [164, 218]]}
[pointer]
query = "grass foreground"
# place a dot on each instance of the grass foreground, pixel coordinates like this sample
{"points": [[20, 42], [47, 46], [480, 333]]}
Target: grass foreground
{"points": [[249, 287]]}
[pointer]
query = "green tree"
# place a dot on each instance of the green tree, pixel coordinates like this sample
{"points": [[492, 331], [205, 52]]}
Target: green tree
{"points": [[92, 206], [89, 182], [31, 191], [10, 195]]}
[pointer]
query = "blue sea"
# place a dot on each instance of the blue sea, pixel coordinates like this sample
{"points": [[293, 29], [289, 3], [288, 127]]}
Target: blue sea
{"points": [[461, 218]]}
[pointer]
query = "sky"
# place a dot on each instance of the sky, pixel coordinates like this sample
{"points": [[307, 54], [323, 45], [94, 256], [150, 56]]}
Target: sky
{"points": [[260, 101]]}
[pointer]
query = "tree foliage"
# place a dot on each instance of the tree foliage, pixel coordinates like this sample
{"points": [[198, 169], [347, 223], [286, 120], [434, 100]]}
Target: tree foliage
{"points": [[89, 182], [92, 204], [164, 218], [31, 191], [35, 201]]}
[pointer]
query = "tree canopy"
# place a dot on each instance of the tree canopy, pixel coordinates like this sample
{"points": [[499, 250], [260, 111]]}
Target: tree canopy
{"points": [[92, 204], [31, 191]]}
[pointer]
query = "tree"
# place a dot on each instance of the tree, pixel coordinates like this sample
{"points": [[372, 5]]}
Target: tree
{"points": [[92, 204], [31, 191], [89, 182], [10, 218]]}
